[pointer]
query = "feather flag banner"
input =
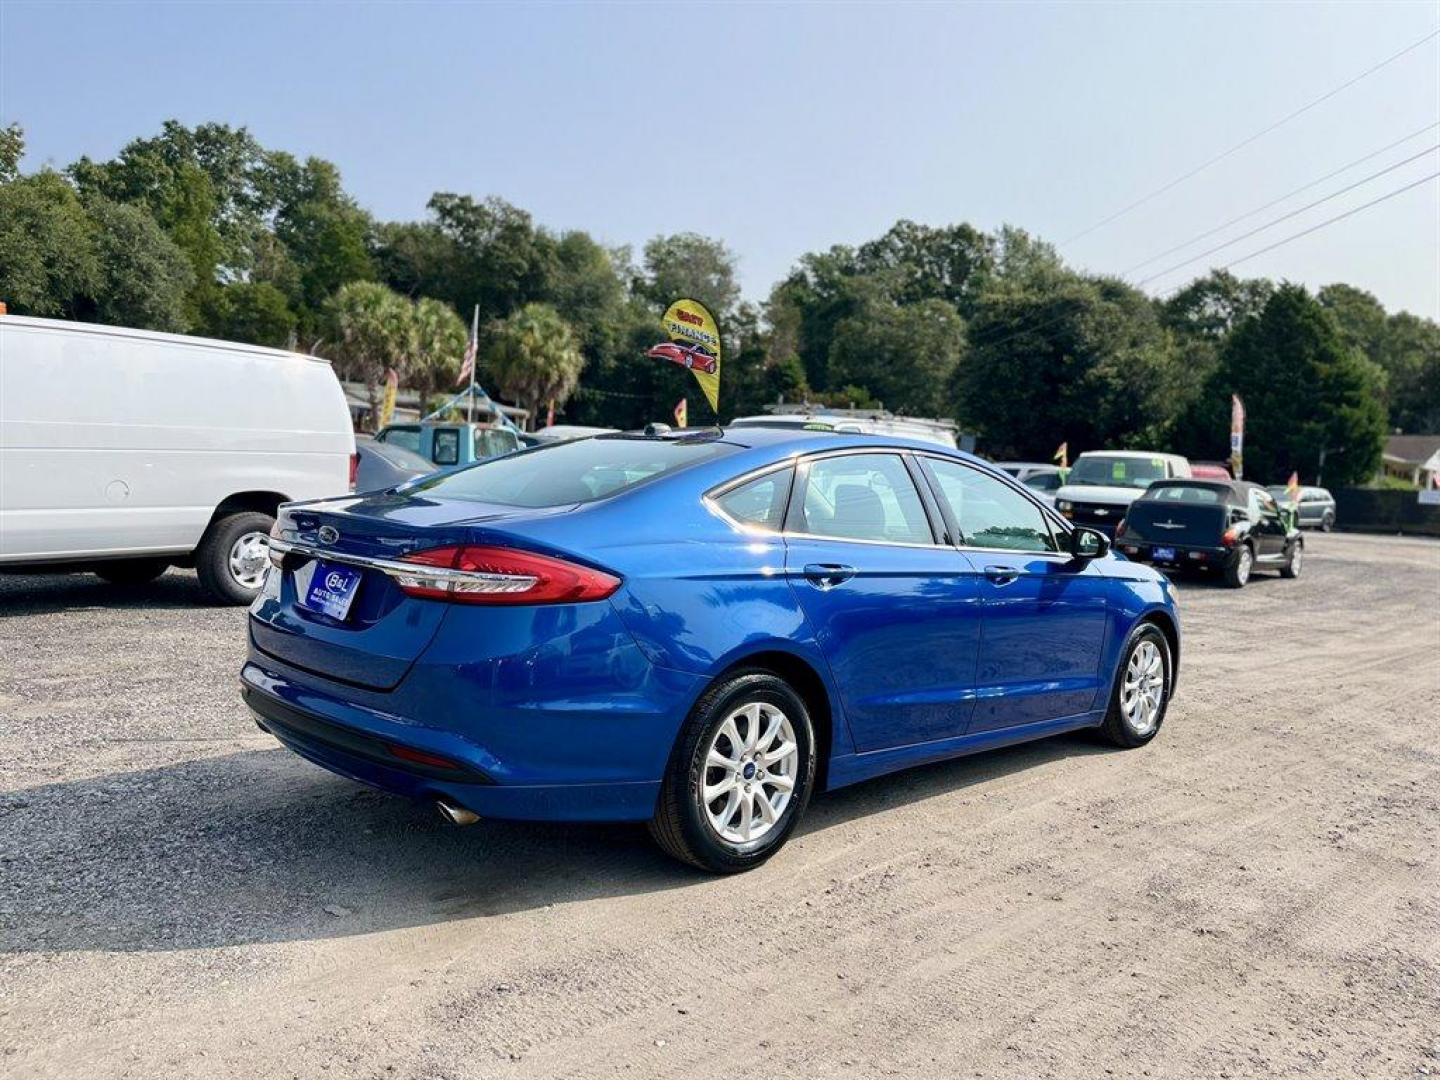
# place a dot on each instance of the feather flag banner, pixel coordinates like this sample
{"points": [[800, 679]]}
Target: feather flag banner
{"points": [[694, 344]]}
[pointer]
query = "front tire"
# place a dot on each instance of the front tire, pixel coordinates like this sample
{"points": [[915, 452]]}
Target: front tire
{"points": [[1291, 569], [232, 557], [1142, 689], [740, 775]]}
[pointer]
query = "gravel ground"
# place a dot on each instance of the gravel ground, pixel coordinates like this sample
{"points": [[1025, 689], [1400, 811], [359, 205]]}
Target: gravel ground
{"points": [[1255, 894]]}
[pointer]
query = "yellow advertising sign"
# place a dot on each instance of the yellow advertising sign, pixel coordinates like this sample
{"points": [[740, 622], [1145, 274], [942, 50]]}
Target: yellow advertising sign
{"points": [[690, 325], [387, 406]]}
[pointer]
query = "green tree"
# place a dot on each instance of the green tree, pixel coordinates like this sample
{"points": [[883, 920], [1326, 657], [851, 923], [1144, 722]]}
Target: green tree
{"points": [[1085, 362], [919, 263], [1410, 355], [534, 358], [252, 311], [12, 149], [326, 236], [48, 264], [500, 259], [904, 356], [440, 339], [688, 264], [142, 277], [1305, 392], [372, 331]]}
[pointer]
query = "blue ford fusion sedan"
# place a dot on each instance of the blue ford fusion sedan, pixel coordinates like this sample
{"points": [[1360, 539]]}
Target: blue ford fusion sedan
{"points": [[699, 630]]}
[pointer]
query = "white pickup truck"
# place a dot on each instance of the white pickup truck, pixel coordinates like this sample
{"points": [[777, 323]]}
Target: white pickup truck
{"points": [[1103, 483]]}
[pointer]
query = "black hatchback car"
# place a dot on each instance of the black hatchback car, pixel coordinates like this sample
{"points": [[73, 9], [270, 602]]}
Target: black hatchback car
{"points": [[1227, 526]]}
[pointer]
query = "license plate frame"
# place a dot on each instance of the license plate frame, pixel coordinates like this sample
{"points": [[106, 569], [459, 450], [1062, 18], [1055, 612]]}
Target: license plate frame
{"points": [[1164, 554], [332, 589]]}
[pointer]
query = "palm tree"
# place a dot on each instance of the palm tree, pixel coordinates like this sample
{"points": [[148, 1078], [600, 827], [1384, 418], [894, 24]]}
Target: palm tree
{"points": [[535, 358], [374, 330], [440, 338]]}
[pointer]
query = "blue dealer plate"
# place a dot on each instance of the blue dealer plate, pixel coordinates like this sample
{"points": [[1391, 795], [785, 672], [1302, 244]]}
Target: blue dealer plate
{"points": [[332, 589], [1163, 555]]}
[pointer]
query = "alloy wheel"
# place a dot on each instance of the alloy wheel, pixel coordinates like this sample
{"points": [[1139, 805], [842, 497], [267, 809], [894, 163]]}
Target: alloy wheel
{"points": [[1242, 567], [1144, 688], [750, 771]]}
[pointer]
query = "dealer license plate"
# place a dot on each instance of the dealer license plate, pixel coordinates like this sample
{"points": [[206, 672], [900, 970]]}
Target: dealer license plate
{"points": [[332, 589], [1163, 554]]}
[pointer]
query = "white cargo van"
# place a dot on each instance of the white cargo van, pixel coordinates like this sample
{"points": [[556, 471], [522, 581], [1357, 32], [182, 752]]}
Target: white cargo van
{"points": [[123, 452]]}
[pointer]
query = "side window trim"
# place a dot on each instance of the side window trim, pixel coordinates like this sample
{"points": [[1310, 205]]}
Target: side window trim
{"points": [[794, 520]]}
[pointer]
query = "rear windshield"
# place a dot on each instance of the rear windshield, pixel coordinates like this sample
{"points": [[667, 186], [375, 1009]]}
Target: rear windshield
{"points": [[1186, 493], [571, 472]]}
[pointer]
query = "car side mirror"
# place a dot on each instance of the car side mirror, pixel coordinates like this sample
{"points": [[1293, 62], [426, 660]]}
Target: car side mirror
{"points": [[1088, 543]]}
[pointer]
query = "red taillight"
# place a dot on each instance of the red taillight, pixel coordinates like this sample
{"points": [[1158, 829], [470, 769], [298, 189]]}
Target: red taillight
{"points": [[354, 469], [419, 757], [1228, 537], [495, 575]]}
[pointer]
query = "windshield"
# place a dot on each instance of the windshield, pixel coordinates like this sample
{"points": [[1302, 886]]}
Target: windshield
{"points": [[571, 472], [1110, 470]]}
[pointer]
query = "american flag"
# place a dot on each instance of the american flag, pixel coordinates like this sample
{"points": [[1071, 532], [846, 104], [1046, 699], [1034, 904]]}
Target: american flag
{"points": [[467, 366]]}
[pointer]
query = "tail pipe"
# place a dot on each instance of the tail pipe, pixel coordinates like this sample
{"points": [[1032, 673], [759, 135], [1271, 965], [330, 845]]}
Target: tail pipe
{"points": [[456, 814]]}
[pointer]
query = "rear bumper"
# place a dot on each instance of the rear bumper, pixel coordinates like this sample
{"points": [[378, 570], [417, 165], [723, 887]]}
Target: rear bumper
{"points": [[1187, 556], [564, 733]]}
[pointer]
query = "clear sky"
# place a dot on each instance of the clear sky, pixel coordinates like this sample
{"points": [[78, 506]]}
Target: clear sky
{"points": [[787, 128]]}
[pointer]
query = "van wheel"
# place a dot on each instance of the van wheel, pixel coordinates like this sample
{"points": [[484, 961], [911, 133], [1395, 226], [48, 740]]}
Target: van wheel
{"points": [[131, 571], [232, 557], [739, 777]]}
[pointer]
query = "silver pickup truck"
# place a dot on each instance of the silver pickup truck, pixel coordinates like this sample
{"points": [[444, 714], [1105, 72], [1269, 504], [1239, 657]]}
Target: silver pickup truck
{"points": [[1103, 483]]}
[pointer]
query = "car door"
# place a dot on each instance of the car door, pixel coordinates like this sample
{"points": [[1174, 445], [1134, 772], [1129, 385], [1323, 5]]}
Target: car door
{"points": [[895, 610], [1045, 613], [1267, 526]]}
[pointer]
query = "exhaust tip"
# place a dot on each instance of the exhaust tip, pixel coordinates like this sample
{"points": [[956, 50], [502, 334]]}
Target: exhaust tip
{"points": [[456, 814]]}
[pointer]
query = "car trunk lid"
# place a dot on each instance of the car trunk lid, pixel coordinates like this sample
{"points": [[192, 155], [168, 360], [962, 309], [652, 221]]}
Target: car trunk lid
{"points": [[384, 630], [1166, 522]]}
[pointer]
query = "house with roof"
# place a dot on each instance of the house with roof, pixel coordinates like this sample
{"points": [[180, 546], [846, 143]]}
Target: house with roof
{"points": [[1412, 458]]}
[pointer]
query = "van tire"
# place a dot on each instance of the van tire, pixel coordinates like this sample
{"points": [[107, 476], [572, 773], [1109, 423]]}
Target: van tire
{"points": [[131, 571], [212, 556]]}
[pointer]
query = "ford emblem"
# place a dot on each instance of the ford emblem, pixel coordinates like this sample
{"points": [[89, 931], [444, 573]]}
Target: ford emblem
{"points": [[328, 534]]}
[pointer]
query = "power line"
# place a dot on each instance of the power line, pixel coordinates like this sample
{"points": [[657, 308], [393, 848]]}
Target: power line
{"points": [[1331, 221], [1250, 139], [1046, 324], [1285, 217], [1275, 202]]}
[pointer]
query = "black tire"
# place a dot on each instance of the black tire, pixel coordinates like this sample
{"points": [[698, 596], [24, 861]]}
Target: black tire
{"points": [[1292, 566], [212, 557], [1118, 730], [681, 825], [1239, 568], [1327, 522], [131, 571]]}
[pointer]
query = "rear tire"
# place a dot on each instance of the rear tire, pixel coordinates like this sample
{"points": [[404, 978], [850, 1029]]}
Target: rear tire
{"points": [[229, 563], [126, 572], [1291, 569], [1238, 572], [1327, 522], [1142, 689], [740, 775]]}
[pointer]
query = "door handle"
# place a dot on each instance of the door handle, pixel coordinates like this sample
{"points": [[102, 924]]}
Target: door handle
{"points": [[828, 575], [1001, 575]]}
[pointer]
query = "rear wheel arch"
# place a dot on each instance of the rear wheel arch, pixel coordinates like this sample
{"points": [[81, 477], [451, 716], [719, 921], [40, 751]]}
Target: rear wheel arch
{"points": [[255, 502]]}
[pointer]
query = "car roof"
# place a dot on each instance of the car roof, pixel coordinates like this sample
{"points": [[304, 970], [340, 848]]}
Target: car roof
{"points": [[1129, 454]]}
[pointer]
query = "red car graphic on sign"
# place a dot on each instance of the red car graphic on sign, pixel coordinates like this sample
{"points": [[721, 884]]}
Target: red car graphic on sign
{"points": [[687, 356]]}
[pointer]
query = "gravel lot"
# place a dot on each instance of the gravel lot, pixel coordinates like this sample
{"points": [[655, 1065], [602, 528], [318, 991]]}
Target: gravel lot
{"points": [[1255, 894]]}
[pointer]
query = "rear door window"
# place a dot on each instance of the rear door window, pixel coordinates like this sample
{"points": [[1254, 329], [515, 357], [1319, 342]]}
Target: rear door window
{"points": [[864, 497]]}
